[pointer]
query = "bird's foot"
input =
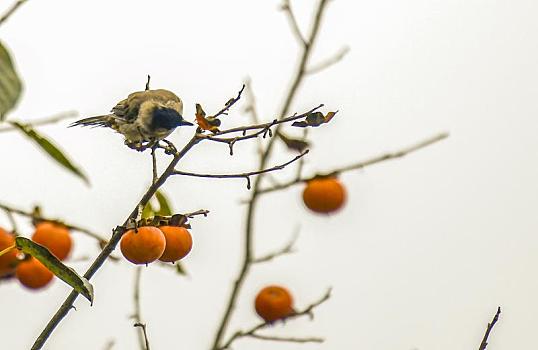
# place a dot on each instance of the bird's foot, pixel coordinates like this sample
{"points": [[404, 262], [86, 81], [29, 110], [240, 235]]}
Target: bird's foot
{"points": [[169, 148]]}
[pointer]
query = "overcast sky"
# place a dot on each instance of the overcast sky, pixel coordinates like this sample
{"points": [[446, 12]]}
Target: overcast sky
{"points": [[425, 250]]}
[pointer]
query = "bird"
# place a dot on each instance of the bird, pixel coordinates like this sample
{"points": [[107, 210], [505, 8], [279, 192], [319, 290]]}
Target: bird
{"points": [[143, 118]]}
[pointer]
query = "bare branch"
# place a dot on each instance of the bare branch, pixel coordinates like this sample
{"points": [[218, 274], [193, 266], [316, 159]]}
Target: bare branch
{"points": [[44, 121], [484, 342], [363, 164], [11, 10], [241, 175], [143, 326], [293, 22], [230, 103], [286, 339], [287, 249], [153, 163], [337, 57], [252, 109], [142, 339], [147, 82], [308, 311]]}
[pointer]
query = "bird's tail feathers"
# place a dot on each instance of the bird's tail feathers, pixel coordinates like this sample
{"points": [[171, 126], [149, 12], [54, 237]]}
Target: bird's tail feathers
{"points": [[99, 121]]}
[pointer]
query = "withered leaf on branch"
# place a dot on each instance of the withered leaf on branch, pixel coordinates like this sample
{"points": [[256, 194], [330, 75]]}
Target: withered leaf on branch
{"points": [[179, 220], [294, 144], [206, 123], [315, 119]]}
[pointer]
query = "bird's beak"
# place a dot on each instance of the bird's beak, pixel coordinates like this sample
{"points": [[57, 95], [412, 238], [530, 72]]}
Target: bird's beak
{"points": [[184, 122]]}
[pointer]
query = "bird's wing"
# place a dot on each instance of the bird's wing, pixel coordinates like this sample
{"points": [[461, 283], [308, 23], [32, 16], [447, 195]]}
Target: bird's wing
{"points": [[128, 109]]}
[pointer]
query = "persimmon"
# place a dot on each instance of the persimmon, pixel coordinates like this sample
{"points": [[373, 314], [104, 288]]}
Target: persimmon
{"points": [[144, 246], [178, 243], [273, 303], [54, 237], [8, 261], [33, 274], [324, 195]]}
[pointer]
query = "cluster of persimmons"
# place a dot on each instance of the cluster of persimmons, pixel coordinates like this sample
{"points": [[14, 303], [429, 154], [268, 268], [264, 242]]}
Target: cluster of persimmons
{"points": [[28, 270]]}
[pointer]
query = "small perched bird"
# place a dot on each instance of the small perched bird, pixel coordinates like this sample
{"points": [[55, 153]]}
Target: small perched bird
{"points": [[143, 118]]}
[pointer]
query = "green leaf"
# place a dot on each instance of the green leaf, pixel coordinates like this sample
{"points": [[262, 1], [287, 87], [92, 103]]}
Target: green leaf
{"points": [[180, 269], [51, 149], [164, 206], [148, 211], [63, 272], [10, 83]]}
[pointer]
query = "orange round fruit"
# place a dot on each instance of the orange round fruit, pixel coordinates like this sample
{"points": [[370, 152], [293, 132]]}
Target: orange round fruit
{"points": [[178, 243], [54, 237], [9, 260], [144, 246], [274, 303], [324, 195], [33, 274]]}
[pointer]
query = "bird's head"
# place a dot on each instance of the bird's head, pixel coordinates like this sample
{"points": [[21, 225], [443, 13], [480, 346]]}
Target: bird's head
{"points": [[167, 118]]}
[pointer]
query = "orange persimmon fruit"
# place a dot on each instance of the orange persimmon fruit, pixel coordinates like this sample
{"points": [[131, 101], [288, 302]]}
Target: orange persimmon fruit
{"points": [[33, 274], [8, 261], [144, 246], [54, 237], [324, 195], [178, 243], [274, 303]]}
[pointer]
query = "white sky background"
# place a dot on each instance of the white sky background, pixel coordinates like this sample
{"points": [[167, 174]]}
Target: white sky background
{"points": [[427, 247]]}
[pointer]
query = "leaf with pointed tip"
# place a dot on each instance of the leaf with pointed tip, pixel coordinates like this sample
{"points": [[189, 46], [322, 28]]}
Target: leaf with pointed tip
{"points": [[63, 272], [10, 83], [50, 149], [180, 269], [148, 211], [293, 143], [164, 206]]}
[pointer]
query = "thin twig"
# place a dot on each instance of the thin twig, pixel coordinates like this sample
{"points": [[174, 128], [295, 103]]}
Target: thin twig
{"points": [[337, 57], [285, 6], [300, 166], [287, 339], [308, 311], [43, 121], [142, 340], [145, 334], [11, 10], [484, 342], [252, 110], [241, 175], [154, 164], [363, 164], [230, 103], [287, 249]]}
